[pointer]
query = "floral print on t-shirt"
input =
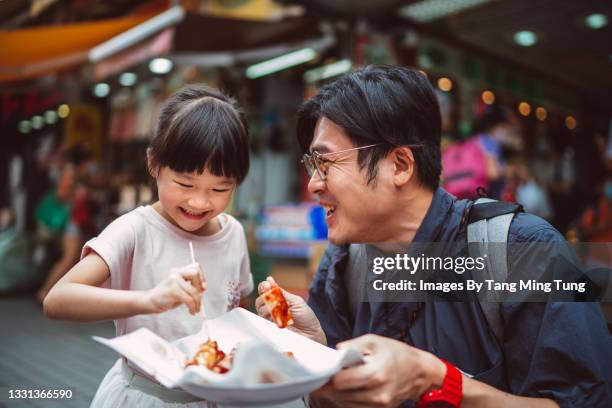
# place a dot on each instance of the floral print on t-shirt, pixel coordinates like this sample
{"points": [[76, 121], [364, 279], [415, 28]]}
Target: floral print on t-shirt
{"points": [[233, 295]]}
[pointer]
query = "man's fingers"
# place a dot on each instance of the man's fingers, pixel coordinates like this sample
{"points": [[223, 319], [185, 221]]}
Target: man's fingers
{"points": [[340, 398], [261, 308], [365, 344], [266, 285], [291, 298], [263, 286], [259, 304], [363, 398], [361, 376], [271, 281]]}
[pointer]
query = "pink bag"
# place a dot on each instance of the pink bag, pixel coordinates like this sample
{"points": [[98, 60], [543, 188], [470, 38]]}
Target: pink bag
{"points": [[464, 168]]}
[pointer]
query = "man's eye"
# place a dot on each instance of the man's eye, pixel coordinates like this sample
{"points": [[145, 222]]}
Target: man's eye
{"points": [[324, 164], [183, 185]]}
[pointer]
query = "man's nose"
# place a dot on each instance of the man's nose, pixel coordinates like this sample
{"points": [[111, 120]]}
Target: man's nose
{"points": [[316, 184]]}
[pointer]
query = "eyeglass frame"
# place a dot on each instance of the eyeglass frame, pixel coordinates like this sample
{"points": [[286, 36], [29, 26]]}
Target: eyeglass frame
{"points": [[314, 159]]}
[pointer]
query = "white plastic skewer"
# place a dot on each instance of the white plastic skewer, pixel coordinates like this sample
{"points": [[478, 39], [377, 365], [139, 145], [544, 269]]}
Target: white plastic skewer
{"points": [[201, 300]]}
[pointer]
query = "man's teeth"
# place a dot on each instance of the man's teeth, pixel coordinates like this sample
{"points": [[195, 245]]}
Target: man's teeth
{"points": [[331, 209]]}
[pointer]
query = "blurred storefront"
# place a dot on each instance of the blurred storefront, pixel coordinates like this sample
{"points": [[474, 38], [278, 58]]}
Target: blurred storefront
{"points": [[100, 79]]}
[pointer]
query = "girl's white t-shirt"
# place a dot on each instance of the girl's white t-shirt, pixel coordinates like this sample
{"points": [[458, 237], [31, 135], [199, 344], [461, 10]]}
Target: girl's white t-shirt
{"points": [[141, 247]]}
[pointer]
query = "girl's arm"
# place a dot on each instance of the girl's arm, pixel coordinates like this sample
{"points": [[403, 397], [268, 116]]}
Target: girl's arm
{"points": [[71, 249], [79, 297]]}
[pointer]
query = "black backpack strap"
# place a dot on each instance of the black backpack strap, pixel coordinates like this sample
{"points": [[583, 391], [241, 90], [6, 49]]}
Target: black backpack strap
{"points": [[484, 211]]}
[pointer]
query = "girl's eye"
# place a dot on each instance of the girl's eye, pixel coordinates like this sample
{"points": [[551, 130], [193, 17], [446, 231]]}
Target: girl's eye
{"points": [[183, 185], [221, 190]]}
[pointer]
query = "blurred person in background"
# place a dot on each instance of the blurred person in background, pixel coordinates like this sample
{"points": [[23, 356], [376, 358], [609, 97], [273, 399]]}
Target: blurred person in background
{"points": [[530, 194], [562, 188], [480, 161], [74, 192], [497, 133], [596, 219]]}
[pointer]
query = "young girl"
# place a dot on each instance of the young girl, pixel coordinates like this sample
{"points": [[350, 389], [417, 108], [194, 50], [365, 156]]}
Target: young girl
{"points": [[138, 271]]}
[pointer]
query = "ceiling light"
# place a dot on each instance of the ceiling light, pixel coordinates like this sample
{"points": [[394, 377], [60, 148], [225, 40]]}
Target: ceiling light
{"points": [[37, 122], [525, 38], [24, 126], [63, 111], [596, 21], [128, 79], [524, 108], [160, 66], [101, 90], [280, 63], [328, 71], [428, 10], [541, 113], [50, 117], [445, 84], [488, 97], [570, 122]]}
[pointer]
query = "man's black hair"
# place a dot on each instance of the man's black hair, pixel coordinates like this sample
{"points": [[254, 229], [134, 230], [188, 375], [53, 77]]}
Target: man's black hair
{"points": [[200, 129], [392, 106]]}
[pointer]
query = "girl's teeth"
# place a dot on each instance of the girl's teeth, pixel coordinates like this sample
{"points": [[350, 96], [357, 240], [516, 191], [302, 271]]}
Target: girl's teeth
{"points": [[192, 213]]}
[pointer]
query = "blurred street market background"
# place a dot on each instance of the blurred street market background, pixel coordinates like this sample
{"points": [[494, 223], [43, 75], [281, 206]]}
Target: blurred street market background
{"points": [[525, 90]]}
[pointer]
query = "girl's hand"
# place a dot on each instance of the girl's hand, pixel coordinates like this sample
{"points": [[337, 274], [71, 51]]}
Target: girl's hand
{"points": [[183, 285]]}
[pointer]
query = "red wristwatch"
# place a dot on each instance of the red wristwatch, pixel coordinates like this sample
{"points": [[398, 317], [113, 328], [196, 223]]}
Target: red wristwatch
{"points": [[449, 396]]}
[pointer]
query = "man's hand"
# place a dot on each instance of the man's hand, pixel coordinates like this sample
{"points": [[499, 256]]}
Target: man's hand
{"points": [[183, 285], [393, 372], [304, 320]]}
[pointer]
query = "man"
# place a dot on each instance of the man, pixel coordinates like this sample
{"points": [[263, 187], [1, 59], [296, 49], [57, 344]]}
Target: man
{"points": [[373, 143]]}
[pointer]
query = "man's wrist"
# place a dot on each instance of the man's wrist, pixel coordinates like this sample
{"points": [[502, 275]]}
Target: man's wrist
{"points": [[449, 393], [436, 372]]}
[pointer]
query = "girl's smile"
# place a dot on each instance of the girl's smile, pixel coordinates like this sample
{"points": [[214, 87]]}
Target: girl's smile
{"points": [[194, 215]]}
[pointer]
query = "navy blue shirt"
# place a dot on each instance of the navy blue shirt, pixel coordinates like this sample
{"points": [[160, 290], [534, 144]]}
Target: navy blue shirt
{"points": [[558, 350]]}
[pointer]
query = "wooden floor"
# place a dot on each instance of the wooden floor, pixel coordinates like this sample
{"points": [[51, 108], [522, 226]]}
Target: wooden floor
{"points": [[38, 353]]}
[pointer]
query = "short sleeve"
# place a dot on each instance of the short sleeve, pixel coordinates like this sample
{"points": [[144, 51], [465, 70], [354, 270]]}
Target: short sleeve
{"points": [[246, 278], [115, 245]]}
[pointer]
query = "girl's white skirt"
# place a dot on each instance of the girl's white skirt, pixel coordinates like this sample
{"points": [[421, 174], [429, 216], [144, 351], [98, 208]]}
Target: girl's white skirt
{"points": [[121, 387]]}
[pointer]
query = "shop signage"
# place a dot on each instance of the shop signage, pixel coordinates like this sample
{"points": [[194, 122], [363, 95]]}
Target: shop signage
{"points": [[17, 106]]}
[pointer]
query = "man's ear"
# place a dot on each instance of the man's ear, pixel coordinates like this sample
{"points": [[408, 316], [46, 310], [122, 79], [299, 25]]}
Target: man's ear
{"points": [[403, 165], [153, 171]]}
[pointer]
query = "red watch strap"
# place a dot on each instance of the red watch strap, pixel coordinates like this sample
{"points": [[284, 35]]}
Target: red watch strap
{"points": [[451, 392]]}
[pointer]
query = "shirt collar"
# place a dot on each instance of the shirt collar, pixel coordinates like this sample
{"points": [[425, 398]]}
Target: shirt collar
{"points": [[434, 220]]}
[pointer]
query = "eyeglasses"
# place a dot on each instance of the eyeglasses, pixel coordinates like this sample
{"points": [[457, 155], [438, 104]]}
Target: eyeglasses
{"points": [[319, 163]]}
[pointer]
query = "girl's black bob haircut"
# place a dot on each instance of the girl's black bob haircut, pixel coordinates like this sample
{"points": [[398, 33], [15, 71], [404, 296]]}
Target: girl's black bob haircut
{"points": [[200, 129]]}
